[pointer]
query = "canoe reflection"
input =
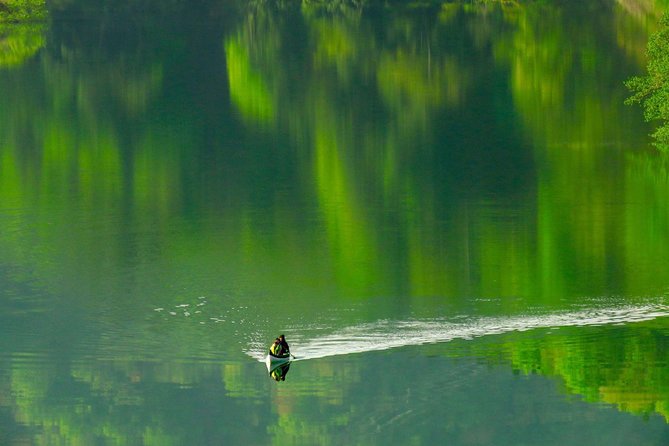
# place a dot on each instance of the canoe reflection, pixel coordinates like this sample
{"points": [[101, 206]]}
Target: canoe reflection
{"points": [[279, 371]]}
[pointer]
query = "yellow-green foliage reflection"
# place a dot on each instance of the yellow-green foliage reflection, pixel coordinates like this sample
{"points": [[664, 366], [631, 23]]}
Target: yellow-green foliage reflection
{"points": [[247, 89], [646, 218], [628, 371], [22, 31], [19, 42]]}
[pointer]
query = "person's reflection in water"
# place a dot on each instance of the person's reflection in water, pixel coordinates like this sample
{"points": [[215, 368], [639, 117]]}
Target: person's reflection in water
{"points": [[279, 372]]}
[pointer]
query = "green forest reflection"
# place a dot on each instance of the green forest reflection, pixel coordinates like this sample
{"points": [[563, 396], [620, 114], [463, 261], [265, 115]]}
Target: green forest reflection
{"points": [[370, 103], [434, 155], [623, 366]]}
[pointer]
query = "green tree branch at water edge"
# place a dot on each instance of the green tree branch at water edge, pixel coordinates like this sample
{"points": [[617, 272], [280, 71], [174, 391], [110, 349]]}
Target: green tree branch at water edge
{"points": [[22, 10], [652, 90]]}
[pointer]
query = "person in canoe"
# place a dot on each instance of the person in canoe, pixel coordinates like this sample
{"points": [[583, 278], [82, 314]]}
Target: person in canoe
{"points": [[275, 348], [280, 347], [284, 344]]}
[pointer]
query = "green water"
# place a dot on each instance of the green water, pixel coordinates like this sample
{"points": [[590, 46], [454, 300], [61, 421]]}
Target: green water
{"points": [[448, 210]]}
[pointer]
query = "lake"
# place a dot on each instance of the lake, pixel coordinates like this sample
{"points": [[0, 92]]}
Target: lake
{"points": [[447, 208]]}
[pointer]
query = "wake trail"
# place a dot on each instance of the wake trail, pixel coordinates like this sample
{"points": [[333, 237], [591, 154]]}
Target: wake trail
{"points": [[387, 334]]}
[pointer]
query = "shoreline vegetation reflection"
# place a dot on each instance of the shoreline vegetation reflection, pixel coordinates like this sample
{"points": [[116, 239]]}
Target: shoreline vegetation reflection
{"points": [[22, 30], [405, 166]]}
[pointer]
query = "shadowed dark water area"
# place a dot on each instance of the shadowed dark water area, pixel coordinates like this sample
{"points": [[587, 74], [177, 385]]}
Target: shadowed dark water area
{"points": [[447, 208]]}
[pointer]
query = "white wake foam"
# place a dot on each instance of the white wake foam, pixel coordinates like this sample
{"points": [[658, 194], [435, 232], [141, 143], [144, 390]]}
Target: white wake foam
{"points": [[387, 334]]}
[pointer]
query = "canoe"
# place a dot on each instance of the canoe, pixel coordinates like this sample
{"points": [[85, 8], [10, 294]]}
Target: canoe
{"points": [[272, 361]]}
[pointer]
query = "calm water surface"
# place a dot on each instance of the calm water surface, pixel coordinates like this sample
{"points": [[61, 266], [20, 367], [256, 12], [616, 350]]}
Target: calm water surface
{"points": [[447, 209]]}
